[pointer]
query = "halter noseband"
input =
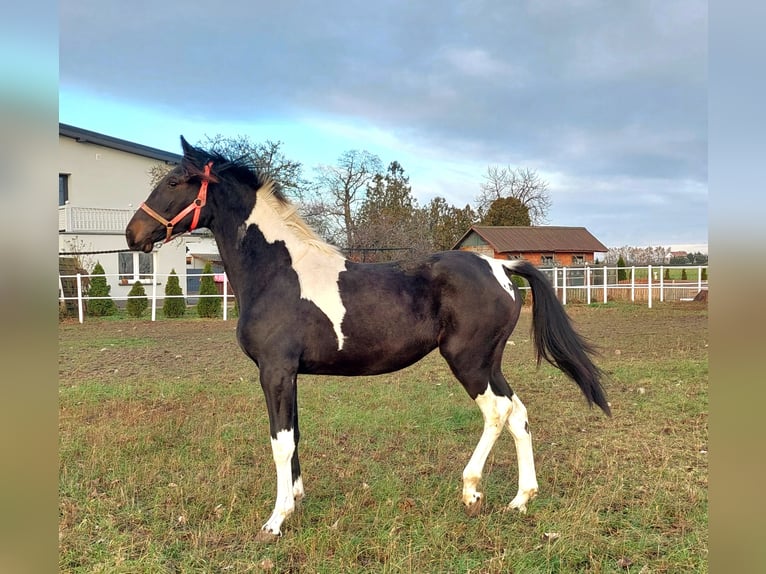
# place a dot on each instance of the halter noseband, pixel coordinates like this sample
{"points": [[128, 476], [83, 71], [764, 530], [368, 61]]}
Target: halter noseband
{"points": [[195, 206]]}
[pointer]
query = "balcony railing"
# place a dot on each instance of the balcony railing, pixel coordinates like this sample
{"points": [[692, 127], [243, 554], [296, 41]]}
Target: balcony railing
{"points": [[93, 219]]}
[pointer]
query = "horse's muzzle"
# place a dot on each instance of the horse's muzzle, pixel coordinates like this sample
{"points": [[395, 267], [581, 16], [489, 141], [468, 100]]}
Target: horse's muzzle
{"points": [[139, 236]]}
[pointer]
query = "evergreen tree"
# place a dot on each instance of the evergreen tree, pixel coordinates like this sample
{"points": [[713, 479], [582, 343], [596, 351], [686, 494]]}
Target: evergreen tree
{"points": [[208, 306], [622, 273], [100, 288], [683, 275], [137, 300], [507, 211], [174, 304]]}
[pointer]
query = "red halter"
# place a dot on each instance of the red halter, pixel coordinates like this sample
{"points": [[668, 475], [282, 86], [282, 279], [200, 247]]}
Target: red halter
{"points": [[195, 206]]}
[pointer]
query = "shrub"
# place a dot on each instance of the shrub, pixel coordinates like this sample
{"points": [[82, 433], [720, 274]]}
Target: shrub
{"points": [[208, 306], [137, 301], [100, 288], [666, 276], [173, 306], [520, 282], [622, 273], [683, 275], [704, 274]]}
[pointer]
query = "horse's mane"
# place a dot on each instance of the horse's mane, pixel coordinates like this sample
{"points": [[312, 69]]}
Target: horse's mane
{"points": [[288, 213], [245, 172]]}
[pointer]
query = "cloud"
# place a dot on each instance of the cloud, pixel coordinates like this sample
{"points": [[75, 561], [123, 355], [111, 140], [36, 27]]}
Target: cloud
{"points": [[596, 89]]}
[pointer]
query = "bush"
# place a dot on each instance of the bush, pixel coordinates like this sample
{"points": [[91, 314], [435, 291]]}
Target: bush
{"points": [[666, 276], [520, 282], [173, 306], [704, 274], [208, 306], [137, 301], [622, 273], [683, 275], [100, 288]]}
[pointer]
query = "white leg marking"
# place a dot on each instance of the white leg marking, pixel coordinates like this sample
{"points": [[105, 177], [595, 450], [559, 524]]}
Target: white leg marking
{"points": [[495, 411], [519, 428], [282, 447], [317, 264], [498, 269], [298, 492]]}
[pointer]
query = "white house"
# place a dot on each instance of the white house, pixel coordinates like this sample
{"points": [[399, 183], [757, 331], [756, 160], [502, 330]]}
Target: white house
{"points": [[102, 181]]}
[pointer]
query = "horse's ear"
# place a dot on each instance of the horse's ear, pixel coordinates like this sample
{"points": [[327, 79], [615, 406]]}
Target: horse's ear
{"points": [[189, 163], [186, 146]]}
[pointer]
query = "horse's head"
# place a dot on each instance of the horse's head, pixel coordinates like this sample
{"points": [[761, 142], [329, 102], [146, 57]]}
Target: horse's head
{"points": [[176, 205]]}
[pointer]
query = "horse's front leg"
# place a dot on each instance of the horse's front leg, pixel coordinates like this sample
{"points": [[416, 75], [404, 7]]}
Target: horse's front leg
{"points": [[279, 386]]}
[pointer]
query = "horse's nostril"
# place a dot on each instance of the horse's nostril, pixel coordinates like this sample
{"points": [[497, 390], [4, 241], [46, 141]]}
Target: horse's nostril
{"points": [[129, 237]]}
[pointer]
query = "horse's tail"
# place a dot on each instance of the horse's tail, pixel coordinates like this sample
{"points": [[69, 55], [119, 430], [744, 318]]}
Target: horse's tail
{"points": [[556, 339]]}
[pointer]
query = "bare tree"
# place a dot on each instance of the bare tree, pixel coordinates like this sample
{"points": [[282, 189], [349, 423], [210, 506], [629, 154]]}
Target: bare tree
{"points": [[341, 188], [266, 157], [157, 172], [637, 255], [522, 183]]}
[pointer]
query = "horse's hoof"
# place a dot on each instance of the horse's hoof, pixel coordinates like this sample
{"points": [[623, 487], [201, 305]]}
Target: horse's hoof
{"points": [[520, 501], [474, 508], [266, 537]]}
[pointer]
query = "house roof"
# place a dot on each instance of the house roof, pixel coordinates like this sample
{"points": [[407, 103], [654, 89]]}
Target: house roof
{"points": [[517, 239], [86, 136]]}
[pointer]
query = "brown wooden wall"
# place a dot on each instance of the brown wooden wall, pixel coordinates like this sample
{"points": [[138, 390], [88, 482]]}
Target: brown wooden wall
{"points": [[562, 259]]}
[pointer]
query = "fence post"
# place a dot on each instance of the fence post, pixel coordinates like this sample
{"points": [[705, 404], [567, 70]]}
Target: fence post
{"points": [[154, 285], [225, 295], [587, 284], [699, 278], [633, 283], [606, 272], [79, 297], [564, 285], [62, 295], [556, 280], [662, 283], [649, 285]]}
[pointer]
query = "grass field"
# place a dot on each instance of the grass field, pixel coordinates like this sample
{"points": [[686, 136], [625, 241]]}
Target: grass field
{"points": [[165, 460]]}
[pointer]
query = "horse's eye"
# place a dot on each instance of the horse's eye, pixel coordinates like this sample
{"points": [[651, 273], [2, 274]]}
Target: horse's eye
{"points": [[172, 183]]}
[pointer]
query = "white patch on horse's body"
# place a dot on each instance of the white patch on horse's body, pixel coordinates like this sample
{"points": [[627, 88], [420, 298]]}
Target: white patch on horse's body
{"points": [[498, 270], [317, 264], [282, 448]]}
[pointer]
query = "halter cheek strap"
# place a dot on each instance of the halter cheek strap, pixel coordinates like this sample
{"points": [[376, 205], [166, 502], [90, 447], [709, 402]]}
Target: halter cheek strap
{"points": [[195, 206]]}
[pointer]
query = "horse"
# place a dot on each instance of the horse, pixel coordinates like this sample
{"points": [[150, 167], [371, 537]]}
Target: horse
{"points": [[304, 308]]}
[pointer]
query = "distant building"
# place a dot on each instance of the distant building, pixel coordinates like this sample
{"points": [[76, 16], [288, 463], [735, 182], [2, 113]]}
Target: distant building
{"points": [[674, 254], [102, 181], [545, 246]]}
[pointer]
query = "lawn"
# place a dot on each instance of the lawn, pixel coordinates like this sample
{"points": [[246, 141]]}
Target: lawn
{"points": [[165, 460]]}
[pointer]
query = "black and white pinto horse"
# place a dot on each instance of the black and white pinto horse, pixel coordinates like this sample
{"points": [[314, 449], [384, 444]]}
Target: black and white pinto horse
{"points": [[304, 308]]}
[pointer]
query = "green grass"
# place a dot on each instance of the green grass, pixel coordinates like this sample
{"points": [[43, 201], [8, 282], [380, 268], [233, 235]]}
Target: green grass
{"points": [[165, 465]]}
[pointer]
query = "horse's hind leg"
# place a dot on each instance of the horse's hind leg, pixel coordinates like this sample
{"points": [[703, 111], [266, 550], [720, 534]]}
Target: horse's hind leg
{"points": [[495, 405], [522, 438], [495, 410]]}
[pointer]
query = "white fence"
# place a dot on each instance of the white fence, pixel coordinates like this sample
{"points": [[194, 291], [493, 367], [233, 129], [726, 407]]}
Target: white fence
{"points": [[593, 284], [153, 285]]}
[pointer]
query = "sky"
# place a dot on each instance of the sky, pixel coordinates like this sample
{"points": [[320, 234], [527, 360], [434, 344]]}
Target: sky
{"points": [[606, 100]]}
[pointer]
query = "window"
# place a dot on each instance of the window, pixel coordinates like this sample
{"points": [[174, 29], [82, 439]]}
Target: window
{"points": [[578, 259], [546, 260], [129, 262], [63, 188]]}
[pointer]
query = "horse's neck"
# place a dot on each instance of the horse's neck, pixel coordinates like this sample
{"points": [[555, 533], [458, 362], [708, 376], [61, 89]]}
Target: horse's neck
{"points": [[316, 264]]}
